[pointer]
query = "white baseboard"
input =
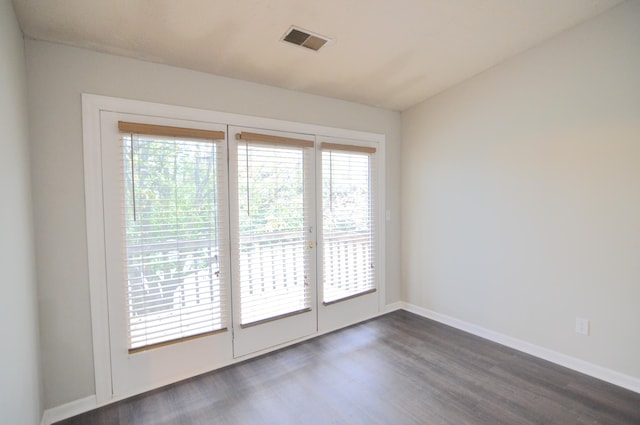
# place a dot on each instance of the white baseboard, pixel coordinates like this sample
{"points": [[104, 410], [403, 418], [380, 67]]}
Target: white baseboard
{"points": [[399, 305], [599, 372], [68, 410]]}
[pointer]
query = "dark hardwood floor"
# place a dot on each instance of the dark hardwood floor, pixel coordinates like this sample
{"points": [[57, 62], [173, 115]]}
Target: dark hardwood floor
{"points": [[395, 369]]}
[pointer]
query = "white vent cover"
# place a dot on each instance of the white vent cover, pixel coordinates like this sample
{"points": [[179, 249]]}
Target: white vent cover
{"points": [[305, 38]]}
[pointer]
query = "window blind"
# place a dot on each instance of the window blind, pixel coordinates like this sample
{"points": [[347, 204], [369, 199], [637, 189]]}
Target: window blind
{"points": [[273, 227], [348, 217], [174, 216]]}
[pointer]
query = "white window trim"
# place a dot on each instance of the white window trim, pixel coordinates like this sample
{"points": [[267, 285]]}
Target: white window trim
{"points": [[92, 105]]}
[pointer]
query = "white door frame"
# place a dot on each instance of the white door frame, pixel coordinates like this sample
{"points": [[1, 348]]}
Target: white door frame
{"points": [[92, 105]]}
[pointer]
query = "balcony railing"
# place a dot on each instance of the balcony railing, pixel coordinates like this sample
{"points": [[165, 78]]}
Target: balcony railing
{"points": [[273, 265]]}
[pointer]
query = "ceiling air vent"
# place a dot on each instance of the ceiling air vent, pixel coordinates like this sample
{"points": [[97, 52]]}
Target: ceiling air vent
{"points": [[307, 39]]}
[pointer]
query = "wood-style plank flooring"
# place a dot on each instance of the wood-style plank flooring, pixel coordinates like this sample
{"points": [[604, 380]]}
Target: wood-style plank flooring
{"points": [[396, 369]]}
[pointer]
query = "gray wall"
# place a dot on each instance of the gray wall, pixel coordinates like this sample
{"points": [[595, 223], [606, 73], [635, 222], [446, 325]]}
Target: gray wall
{"points": [[521, 195], [20, 364], [57, 75]]}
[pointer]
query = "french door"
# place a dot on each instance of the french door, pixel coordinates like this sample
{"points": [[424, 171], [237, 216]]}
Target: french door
{"points": [[222, 241], [347, 194], [273, 237], [166, 245]]}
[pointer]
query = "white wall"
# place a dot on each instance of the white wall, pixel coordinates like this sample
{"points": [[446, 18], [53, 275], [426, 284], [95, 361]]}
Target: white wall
{"points": [[521, 195], [57, 75], [19, 359]]}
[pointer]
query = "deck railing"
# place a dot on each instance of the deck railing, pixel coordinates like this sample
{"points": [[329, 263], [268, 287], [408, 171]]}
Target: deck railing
{"points": [[273, 263]]}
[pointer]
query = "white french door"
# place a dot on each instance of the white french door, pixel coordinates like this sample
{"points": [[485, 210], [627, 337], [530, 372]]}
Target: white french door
{"points": [[348, 225], [223, 241], [273, 237], [166, 246]]}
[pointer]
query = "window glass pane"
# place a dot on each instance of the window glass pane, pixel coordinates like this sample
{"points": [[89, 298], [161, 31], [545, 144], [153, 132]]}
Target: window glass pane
{"points": [[347, 220], [172, 231], [274, 260]]}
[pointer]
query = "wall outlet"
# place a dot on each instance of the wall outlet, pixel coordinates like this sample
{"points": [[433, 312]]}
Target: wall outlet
{"points": [[582, 325]]}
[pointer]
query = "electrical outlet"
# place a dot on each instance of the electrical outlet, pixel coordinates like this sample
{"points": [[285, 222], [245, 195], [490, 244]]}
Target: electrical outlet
{"points": [[582, 325]]}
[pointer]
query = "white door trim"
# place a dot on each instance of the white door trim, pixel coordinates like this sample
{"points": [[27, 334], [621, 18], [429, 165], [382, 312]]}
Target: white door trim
{"points": [[92, 105]]}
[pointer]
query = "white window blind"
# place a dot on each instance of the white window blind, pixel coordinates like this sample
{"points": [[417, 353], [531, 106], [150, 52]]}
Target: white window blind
{"points": [[174, 215], [348, 217], [273, 227]]}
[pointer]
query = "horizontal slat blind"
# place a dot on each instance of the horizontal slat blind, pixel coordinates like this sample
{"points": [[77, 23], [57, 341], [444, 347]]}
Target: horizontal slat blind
{"points": [[348, 217], [174, 209], [273, 236]]}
